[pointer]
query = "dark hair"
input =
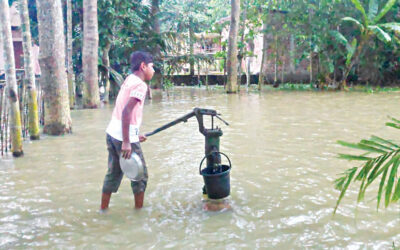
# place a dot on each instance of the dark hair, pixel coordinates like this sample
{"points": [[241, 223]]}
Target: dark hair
{"points": [[138, 57]]}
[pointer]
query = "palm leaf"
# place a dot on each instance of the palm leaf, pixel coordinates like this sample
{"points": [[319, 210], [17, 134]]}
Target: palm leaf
{"points": [[349, 177], [385, 10], [372, 9], [355, 21], [351, 51], [381, 140], [396, 194], [382, 35], [359, 6], [354, 157], [393, 125], [390, 182], [381, 184], [361, 147], [375, 144]]}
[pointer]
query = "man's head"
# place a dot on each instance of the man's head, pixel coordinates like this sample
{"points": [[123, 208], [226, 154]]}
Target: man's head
{"points": [[142, 63]]}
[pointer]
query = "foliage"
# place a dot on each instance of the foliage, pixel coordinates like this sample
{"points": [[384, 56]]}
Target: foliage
{"points": [[381, 159]]}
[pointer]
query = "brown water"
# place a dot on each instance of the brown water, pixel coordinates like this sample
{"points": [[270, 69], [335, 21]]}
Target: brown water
{"points": [[283, 149]]}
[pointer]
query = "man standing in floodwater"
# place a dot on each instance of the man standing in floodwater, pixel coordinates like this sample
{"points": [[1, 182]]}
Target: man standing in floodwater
{"points": [[123, 130]]}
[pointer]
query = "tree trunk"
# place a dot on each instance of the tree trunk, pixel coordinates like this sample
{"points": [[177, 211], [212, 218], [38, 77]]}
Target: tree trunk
{"points": [[70, 68], [264, 56], [53, 80], [242, 50], [158, 75], [249, 62], [33, 125], [106, 62], [191, 49], [91, 97], [11, 81], [232, 48], [291, 55]]}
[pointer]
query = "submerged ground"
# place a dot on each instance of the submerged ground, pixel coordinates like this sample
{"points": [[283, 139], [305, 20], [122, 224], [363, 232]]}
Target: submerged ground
{"points": [[283, 149]]}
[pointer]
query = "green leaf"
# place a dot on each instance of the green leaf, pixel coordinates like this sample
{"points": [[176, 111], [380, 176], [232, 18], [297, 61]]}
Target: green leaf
{"points": [[339, 37], [396, 193], [350, 176], [384, 10], [382, 35], [359, 6], [390, 182], [351, 49], [372, 9], [391, 26], [354, 157], [381, 185], [363, 177], [375, 144], [393, 125], [355, 21], [381, 140], [361, 147], [373, 175]]}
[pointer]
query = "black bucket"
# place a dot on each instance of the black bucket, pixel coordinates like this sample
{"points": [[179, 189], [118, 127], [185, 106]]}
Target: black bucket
{"points": [[217, 184]]}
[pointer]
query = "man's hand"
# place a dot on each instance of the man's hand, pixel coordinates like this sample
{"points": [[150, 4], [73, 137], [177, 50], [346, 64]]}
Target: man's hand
{"points": [[126, 150], [142, 138]]}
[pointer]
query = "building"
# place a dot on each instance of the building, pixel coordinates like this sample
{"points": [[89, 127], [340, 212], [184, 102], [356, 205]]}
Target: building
{"points": [[17, 43]]}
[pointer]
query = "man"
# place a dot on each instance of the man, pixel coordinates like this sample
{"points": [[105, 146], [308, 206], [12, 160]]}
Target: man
{"points": [[123, 130]]}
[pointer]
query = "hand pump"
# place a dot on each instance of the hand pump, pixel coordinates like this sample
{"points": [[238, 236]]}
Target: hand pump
{"points": [[216, 176]]}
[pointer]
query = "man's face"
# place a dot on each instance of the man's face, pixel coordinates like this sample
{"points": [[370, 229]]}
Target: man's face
{"points": [[148, 71]]}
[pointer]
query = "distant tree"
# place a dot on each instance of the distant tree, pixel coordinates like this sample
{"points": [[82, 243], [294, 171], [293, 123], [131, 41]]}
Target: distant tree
{"points": [[52, 63], [33, 124], [232, 47], [91, 96], [11, 87]]}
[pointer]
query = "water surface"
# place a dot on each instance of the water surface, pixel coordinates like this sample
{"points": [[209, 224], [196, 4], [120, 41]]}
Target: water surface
{"points": [[283, 149]]}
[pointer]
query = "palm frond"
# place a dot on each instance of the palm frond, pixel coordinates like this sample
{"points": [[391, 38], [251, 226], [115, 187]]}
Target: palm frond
{"points": [[384, 165]]}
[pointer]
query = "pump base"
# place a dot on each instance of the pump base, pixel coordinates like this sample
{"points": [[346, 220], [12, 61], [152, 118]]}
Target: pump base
{"points": [[216, 205]]}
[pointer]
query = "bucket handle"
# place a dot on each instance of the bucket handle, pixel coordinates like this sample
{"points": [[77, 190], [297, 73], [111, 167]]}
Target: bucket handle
{"points": [[201, 163]]}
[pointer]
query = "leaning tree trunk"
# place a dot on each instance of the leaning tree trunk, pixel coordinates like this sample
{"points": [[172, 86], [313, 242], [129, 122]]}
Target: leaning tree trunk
{"points": [[11, 81], [57, 118], [232, 59], [70, 69], [264, 56], [91, 97], [106, 62], [29, 73]]}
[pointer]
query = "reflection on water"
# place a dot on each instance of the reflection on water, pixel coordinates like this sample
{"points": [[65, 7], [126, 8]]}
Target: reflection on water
{"points": [[283, 150]]}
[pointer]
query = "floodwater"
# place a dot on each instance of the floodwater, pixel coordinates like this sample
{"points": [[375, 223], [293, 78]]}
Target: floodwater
{"points": [[283, 149]]}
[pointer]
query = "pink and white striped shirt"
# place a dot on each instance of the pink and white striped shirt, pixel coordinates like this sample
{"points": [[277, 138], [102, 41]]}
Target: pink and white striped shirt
{"points": [[133, 86]]}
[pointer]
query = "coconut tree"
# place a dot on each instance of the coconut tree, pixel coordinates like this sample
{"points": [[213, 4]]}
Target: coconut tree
{"points": [[12, 90], [91, 97], [29, 74], [380, 159], [53, 79], [70, 69], [232, 47], [369, 26]]}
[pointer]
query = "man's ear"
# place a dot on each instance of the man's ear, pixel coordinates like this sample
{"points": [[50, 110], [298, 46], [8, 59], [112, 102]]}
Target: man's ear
{"points": [[142, 65]]}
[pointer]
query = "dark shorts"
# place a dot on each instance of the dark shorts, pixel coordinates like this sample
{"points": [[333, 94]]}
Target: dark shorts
{"points": [[114, 175]]}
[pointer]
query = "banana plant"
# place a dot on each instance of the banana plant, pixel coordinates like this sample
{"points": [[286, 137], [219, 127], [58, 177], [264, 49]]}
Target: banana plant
{"points": [[380, 159], [369, 26]]}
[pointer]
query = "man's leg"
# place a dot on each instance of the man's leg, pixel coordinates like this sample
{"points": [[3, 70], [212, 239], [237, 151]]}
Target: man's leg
{"points": [[139, 187], [139, 197], [114, 175]]}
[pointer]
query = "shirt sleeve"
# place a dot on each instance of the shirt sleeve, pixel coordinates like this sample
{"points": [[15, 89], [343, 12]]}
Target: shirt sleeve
{"points": [[139, 92]]}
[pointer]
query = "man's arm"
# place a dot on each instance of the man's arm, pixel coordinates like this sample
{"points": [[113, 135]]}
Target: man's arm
{"points": [[126, 149]]}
